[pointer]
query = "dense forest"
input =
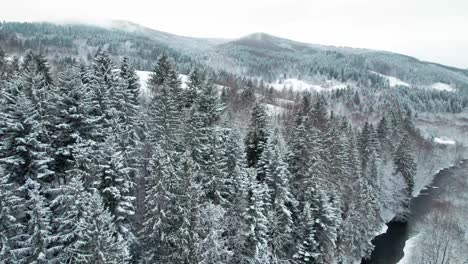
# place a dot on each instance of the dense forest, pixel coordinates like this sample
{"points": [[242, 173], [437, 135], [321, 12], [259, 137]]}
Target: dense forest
{"points": [[93, 172], [218, 157]]}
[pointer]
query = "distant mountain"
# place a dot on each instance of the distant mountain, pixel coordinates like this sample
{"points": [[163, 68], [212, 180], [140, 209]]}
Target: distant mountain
{"points": [[260, 52], [256, 55]]}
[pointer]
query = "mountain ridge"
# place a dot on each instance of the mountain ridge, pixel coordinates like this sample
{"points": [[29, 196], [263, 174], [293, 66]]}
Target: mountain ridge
{"points": [[258, 55]]}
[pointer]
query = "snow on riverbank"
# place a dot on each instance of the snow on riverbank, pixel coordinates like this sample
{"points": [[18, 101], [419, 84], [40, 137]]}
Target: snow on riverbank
{"points": [[410, 244]]}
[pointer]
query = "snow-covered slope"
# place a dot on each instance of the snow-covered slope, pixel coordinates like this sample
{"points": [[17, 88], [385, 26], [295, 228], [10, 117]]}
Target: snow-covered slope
{"points": [[145, 76], [444, 141], [393, 81], [442, 87], [274, 110], [299, 85]]}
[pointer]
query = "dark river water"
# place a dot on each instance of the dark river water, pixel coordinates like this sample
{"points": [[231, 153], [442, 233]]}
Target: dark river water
{"points": [[389, 246]]}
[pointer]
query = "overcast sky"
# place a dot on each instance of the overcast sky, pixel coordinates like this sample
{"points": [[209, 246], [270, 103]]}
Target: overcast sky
{"points": [[433, 30]]}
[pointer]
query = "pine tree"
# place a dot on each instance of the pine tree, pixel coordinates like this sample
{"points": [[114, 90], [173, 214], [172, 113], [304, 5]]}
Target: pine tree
{"points": [[68, 208], [24, 153], [69, 119], [404, 163], [320, 113], [95, 235], [165, 74], [215, 175], [257, 136], [194, 85], [248, 94], [256, 233], [277, 177], [115, 187], [35, 244], [212, 247], [10, 226], [308, 249], [237, 184], [164, 137]]}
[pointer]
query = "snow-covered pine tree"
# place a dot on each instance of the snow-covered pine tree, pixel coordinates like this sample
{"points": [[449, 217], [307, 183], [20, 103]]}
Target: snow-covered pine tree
{"points": [[257, 136], [69, 120], [194, 85], [305, 160], [237, 182], [10, 226], [214, 178], [164, 73], [281, 205], [327, 214], [35, 243], [308, 249], [404, 163], [320, 113], [247, 95], [334, 153], [95, 235], [68, 208], [115, 187], [212, 247], [163, 138], [23, 149], [256, 232]]}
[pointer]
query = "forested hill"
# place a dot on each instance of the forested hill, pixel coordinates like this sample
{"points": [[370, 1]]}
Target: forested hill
{"points": [[256, 55], [136, 146]]}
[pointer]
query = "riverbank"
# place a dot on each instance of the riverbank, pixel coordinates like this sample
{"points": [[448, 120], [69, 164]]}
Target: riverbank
{"points": [[389, 247], [441, 236]]}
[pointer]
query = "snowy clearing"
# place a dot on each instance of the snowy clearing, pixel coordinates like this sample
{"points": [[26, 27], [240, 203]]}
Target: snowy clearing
{"points": [[410, 244], [444, 141], [442, 87], [299, 85], [273, 110], [145, 75], [393, 81]]}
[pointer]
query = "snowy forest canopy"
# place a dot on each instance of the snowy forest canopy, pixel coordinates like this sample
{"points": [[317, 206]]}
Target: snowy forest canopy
{"points": [[91, 171]]}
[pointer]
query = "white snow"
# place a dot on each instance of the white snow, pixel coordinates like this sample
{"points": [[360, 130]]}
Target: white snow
{"points": [[442, 87], [383, 230], [145, 75], [410, 244], [444, 141], [299, 85], [273, 110], [393, 81]]}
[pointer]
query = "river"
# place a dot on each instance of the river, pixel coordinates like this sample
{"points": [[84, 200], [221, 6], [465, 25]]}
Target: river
{"points": [[389, 246]]}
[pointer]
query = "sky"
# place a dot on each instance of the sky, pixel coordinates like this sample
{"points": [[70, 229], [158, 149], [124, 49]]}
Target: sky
{"points": [[432, 30]]}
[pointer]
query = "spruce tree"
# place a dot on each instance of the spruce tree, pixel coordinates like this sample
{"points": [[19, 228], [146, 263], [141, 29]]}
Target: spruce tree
{"points": [[257, 136], [281, 205], [68, 208], [248, 94], [35, 243], [404, 163], [69, 120], [10, 226], [95, 235], [256, 232]]}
